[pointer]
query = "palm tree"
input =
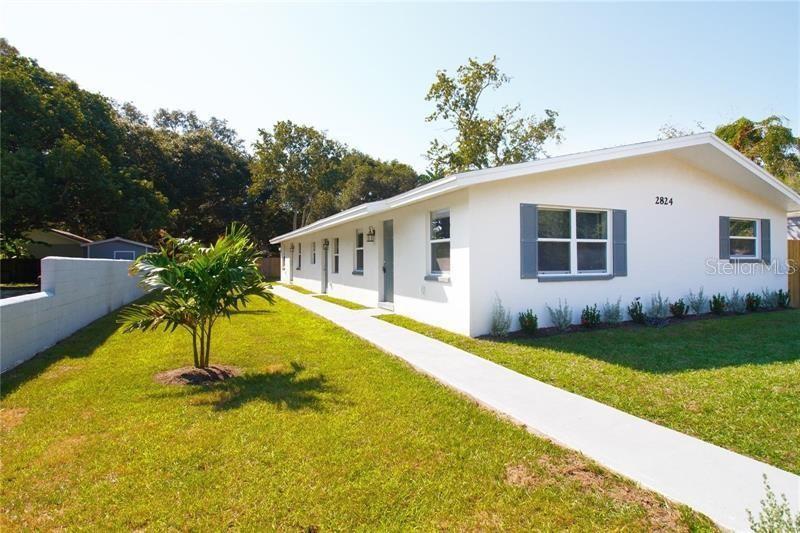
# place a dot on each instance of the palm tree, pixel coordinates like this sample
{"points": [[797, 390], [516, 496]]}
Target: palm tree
{"points": [[197, 285]]}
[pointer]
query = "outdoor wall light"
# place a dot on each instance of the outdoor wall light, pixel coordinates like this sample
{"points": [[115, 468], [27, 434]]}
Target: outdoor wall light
{"points": [[291, 248], [371, 234]]}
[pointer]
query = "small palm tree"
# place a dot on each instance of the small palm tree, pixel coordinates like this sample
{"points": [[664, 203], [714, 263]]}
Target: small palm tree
{"points": [[197, 285]]}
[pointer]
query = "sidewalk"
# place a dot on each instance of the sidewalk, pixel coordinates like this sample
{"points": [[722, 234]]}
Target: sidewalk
{"points": [[719, 483]]}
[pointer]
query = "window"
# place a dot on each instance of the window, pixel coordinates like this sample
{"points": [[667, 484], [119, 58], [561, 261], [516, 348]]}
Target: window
{"points": [[314, 253], [572, 241], [124, 254], [440, 241], [299, 255], [335, 255], [359, 251], [744, 237]]}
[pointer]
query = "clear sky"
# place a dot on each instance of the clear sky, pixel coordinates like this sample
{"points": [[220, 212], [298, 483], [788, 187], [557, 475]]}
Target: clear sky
{"points": [[614, 71]]}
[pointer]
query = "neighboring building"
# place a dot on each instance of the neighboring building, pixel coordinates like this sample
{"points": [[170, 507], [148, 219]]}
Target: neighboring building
{"points": [[50, 241], [666, 216], [116, 248], [793, 227]]}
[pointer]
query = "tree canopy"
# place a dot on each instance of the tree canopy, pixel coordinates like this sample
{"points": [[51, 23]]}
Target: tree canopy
{"points": [[79, 161], [482, 141]]}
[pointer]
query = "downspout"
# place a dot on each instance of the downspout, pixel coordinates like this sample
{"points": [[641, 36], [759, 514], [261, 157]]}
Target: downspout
{"points": [[291, 263]]}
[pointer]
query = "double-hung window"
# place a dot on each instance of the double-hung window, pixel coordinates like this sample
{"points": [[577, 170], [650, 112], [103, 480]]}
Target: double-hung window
{"points": [[440, 242], [572, 241], [743, 238], [336, 255], [359, 259], [314, 253], [299, 255]]}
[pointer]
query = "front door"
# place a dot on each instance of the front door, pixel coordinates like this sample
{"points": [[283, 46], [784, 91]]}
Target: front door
{"points": [[388, 261]]}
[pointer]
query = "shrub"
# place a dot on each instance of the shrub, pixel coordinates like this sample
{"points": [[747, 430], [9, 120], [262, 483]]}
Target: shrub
{"points": [[718, 304], [528, 322], [590, 316], [679, 309], [612, 313], [769, 299], [736, 302], [697, 302], [636, 311], [783, 299], [501, 318], [775, 516], [561, 316], [752, 301], [659, 306]]}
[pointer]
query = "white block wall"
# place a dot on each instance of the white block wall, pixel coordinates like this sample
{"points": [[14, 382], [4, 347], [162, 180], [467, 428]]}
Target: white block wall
{"points": [[75, 292]]}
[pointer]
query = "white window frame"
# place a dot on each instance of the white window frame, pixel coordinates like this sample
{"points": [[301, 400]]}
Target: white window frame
{"points": [[335, 265], [756, 237], [313, 252], [131, 252], [356, 248], [432, 241], [299, 255], [573, 241]]}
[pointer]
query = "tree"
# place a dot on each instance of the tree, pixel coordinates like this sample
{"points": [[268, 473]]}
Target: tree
{"points": [[61, 158], [196, 286], [367, 179], [670, 131], [483, 141], [769, 143], [301, 165]]}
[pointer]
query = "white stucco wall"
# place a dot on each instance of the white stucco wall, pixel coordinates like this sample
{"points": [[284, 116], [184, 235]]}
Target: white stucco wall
{"points": [[445, 304], [668, 246], [74, 293]]}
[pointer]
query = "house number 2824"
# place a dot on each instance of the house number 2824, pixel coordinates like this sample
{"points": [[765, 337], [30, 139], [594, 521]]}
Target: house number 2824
{"points": [[663, 200]]}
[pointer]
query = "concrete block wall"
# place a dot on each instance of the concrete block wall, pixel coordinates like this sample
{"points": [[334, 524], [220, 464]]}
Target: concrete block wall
{"points": [[75, 292]]}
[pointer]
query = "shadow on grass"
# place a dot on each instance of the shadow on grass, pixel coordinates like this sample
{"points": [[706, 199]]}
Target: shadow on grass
{"points": [[758, 339], [282, 387], [82, 343]]}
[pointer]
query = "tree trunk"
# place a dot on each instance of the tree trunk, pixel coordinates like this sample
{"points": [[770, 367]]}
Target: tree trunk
{"points": [[194, 348]]}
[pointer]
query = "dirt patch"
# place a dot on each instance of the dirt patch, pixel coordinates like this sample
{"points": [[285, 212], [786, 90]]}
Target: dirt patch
{"points": [[190, 375], [59, 371], [661, 515], [11, 417]]}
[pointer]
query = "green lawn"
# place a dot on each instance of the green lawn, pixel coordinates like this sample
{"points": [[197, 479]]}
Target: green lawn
{"points": [[344, 303], [322, 431], [297, 288], [733, 381]]}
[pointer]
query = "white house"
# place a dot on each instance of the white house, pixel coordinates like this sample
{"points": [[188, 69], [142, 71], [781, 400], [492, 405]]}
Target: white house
{"points": [[670, 215]]}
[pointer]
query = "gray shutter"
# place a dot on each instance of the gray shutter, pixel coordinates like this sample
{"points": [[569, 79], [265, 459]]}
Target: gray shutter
{"points": [[528, 233], [765, 241], [724, 237], [620, 242]]}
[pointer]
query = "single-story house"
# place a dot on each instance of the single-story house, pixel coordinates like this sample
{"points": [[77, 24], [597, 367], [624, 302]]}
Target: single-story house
{"points": [[51, 241], [116, 248], [665, 216]]}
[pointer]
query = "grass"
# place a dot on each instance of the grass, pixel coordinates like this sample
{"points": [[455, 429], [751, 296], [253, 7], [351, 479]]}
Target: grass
{"points": [[19, 286], [344, 303], [297, 288], [733, 381], [322, 431]]}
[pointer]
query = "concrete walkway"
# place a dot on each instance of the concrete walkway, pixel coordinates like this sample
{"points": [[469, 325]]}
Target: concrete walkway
{"points": [[719, 483]]}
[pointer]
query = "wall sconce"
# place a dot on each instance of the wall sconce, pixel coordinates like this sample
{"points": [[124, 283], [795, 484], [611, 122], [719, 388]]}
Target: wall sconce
{"points": [[325, 243], [291, 248], [371, 234]]}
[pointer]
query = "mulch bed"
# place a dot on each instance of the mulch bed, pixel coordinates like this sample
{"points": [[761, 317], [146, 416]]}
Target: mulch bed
{"points": [[190, 375]]}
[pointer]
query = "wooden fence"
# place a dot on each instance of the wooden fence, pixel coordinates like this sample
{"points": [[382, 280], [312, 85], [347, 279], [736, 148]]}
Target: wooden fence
{"points": [[270, 267], [794, 278]]}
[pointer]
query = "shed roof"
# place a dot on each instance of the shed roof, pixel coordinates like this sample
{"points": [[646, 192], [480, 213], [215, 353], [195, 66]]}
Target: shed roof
{"points": [[120, 239]]}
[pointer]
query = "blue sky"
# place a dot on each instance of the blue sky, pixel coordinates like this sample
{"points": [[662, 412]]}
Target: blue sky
{"points": [[614, 71]]}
